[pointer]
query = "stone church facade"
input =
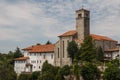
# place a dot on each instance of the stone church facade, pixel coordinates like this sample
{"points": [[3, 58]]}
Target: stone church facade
{"points": [[82, 29]]}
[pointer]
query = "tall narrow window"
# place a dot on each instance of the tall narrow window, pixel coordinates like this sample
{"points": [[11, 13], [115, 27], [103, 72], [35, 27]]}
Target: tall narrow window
{"points": [[67, 42], [63, 49], [58, 52], [51, 56], [44, 56], [67, 45]]}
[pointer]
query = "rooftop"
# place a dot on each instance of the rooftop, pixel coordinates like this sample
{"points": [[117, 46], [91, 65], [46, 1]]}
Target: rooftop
{"points": [[94, 36], [68, 33], [40, 48], [22, 58], [112, 50]]}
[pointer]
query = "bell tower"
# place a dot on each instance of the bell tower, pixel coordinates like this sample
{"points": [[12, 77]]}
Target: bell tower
{"points": [[82, 23]]}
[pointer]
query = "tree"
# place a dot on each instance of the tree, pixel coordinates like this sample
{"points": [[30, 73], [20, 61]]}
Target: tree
{"points": [[76, 71], [65, 70], [72, 49], [48, 42], [35, 75], [115, 62], [6, 67], [24, 77], [17, 53], [88, 50], [48, 72], [100, 54], [90, 72], [112, 72]]}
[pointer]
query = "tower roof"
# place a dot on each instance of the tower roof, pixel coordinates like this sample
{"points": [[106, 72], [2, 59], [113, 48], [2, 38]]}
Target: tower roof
{"points": [[82, 10]]}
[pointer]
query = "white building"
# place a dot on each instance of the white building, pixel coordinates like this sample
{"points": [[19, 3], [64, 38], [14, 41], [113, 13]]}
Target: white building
{"points": [[34, 57], [111, 54]]}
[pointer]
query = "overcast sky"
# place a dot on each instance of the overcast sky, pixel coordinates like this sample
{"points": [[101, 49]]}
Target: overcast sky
{"points": [[27, 22]]}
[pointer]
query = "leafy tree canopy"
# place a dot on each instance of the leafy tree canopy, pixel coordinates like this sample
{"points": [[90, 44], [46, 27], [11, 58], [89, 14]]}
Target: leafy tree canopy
{"points": [[72, 49], [88, 50], [100, 54], [24, 77], [48, 42], [90, 72], [112, 72], [17, 53]]}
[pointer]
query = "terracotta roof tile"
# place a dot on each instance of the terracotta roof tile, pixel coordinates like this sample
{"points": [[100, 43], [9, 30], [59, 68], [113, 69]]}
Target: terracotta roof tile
{"points": [[68, 33], [112, 50], [94, 36], [28, 48], [22, 58], [104, 38], [42, 48]]}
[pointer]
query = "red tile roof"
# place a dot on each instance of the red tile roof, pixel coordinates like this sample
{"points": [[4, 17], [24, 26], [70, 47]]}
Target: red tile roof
{"points": [[28, 48], [112, 50], [95, 37], [41, 48], [22, 58], [104, 38], [68, 33]]}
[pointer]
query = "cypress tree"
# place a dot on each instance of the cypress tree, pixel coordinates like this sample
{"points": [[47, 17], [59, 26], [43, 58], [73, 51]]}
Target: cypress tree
{"points": [[88, 50]]}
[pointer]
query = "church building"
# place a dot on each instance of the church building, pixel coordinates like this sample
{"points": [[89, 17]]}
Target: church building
{"points": [[78, 35], [57, 55]]}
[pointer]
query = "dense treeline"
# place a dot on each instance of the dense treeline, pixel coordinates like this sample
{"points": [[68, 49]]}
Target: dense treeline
{"points": [[7, 65]]}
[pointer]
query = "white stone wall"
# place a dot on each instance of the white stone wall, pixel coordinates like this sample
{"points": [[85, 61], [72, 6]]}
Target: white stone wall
{"points": [[115, 54], [112, 55], [37, 60], [25, 53], [19, 66]]}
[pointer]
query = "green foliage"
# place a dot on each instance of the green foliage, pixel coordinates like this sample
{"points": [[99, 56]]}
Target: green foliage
{"points": [[72, 49], [48, 42], [90, 72], [112, 73], [100, 54], [35, 75], [77, 56], [48, 72], [88, 50], [7, 72], [76, 71], [59, 76], [65, 70], [17, 53], [24, 77], [116, 62]]}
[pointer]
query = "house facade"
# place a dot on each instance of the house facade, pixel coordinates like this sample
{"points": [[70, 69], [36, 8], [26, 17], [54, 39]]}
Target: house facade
{"points": [[34, 57]]}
